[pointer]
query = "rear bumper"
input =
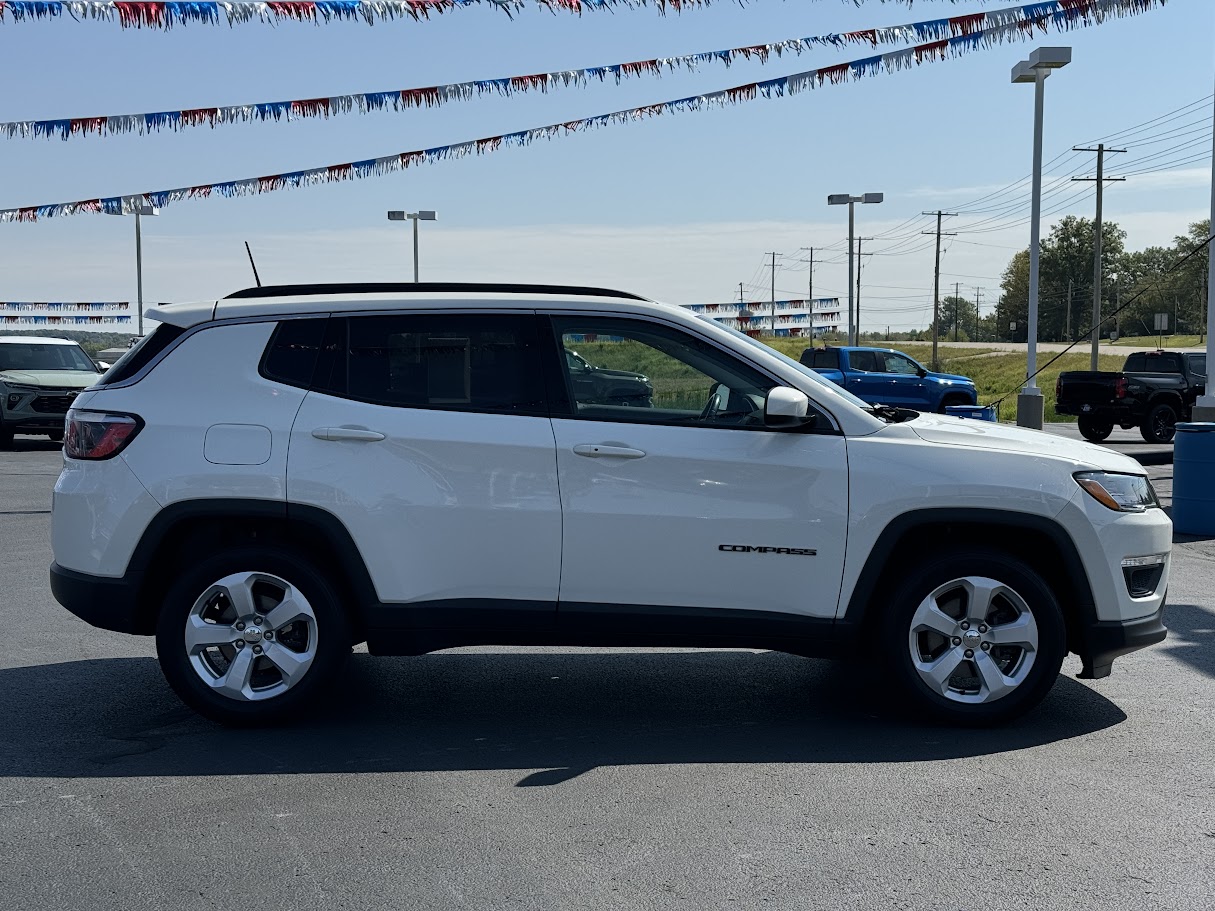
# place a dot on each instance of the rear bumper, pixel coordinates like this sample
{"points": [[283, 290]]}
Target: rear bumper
{"points": [[100, 601], [1105, 641]]}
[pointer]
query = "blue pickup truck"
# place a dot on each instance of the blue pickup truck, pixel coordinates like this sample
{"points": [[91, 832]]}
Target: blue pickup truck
{"points": [[883, 376]]}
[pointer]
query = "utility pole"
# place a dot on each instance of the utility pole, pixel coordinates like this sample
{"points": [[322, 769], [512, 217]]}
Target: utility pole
{"points": [[1067, 330], [936, 283], [978, 291], [773, 255], [859, 265], [1100, 180]]}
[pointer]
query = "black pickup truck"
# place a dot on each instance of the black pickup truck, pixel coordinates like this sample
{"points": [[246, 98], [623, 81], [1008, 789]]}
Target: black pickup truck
{"points": [[1154, 391]]}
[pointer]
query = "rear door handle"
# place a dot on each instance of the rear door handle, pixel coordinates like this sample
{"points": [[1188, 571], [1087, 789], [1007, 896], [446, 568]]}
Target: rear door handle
{"points": [[357, 434], [596, 451]]}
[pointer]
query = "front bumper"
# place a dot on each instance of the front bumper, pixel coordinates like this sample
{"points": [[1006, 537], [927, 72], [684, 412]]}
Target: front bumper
{"points": [[1107, 640], [100, 601], [37, 412]]}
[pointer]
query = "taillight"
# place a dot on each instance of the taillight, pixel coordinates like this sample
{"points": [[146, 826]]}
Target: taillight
{"points": [[1120, 388], [98, 434]]}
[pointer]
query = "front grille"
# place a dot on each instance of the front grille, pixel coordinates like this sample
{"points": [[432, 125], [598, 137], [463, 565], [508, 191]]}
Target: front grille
{"points": [[53, 404]]}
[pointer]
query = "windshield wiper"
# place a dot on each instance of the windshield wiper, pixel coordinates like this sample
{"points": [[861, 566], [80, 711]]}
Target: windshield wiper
{"points": [[892, 414]]}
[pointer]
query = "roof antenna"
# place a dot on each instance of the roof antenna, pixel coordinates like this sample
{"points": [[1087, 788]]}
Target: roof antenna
{"points": [[253, 264]]}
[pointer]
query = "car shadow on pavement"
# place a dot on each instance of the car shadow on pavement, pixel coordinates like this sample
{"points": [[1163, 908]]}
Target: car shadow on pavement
{"points": [[564, 712], [31, 444], [1191, 636]]}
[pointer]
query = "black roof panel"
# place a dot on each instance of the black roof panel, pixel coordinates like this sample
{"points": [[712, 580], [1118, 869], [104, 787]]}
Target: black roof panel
{"points": [[426, 288]]}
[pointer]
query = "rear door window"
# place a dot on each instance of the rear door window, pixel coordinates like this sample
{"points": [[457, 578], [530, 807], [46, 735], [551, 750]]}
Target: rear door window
{"points": [[451, 362]]}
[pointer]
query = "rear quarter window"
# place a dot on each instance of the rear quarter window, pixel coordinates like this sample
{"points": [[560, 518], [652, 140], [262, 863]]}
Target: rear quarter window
{"points": [[141, 354], [291, 353]]}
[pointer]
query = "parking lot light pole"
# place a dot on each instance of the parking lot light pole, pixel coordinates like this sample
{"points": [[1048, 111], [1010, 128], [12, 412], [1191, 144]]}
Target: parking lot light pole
{"points": [[1035, 70], [137, 210], [841, 199], [1204, 408], [415, 217]]}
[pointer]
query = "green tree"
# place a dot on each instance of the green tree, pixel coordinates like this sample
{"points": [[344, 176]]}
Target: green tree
{"points": [[957, 316], [1066, 256]]}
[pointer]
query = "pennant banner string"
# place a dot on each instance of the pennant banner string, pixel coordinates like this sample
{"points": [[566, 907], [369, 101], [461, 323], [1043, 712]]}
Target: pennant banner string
{"points": [[164, 15], [7, 307], [1075, 15], [437, 95]]}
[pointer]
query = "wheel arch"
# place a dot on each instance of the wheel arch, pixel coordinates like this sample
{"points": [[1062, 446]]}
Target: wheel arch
{"points": [[923, 534], [208, 526], [1167, 397]]}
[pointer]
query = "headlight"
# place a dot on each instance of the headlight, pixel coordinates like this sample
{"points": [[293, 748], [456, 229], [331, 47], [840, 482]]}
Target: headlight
{"points": [[1119, 492], [17, 387]]}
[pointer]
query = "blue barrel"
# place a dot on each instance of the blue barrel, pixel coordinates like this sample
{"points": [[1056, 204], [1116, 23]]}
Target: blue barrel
{"points": [[1194, 479], [975, 412]]}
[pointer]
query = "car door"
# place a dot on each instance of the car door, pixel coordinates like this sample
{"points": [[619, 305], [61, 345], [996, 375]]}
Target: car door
{"points": [[426, 434], [866, 377], [903, 380], [691, 508]]}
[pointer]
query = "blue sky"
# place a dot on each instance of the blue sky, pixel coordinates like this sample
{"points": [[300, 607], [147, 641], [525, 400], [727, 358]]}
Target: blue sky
{"points": [[682, 208]]}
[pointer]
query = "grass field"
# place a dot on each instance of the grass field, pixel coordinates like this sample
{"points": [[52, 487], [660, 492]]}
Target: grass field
{"points": [[1151, 343]]}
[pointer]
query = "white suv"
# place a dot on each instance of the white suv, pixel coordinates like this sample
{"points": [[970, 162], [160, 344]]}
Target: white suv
{"points": [[269, 479]]}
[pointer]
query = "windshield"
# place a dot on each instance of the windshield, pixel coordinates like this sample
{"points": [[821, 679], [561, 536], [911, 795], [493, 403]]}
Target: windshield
{"points": [[803, 370], [33, 356]]}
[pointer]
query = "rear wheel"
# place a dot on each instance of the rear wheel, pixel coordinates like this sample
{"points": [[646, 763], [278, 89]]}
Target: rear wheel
{"points": [[1093, 429], [1160, 425], [251, 636], [975, 638]]}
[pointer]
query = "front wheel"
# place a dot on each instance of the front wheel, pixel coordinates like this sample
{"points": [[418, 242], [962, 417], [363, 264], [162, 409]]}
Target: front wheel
{"points": [[56, 436], [251, 636], [1094, 430], [974, 638], [1160, 425], [6, 436]]}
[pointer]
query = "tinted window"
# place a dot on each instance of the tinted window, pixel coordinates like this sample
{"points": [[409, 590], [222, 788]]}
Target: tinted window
{"points": [[291, 355], [822, 357], [1198, 365], [453, 362], [1135, 363], [142, 353], [865, 361], [1163, 363]]}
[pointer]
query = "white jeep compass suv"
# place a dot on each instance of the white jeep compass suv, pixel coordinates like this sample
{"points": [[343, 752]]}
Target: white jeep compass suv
{"points": [[269, 479]]}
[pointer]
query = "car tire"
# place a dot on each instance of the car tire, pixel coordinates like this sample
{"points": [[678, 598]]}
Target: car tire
{"points": [[6, 436], [1094, 430], [973, 638], [207, 632], [56, 436], [1160, 425]]}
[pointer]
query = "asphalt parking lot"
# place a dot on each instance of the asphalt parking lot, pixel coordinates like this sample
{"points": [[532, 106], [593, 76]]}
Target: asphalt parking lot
{"points": [[551, 779]]}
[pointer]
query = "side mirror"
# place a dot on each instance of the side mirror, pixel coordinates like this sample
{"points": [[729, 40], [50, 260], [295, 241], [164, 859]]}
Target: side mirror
{"points": [[785, 407], [923, 372]]}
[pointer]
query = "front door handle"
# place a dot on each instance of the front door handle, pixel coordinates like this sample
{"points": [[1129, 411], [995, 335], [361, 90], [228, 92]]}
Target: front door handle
{"points": [[357, 434], [598, 451]]}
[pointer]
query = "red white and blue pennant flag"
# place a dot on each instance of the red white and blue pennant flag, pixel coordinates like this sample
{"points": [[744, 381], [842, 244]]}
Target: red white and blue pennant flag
{"points": [[63, 313], [165, 15], [437, 95], [1073, 16]]}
